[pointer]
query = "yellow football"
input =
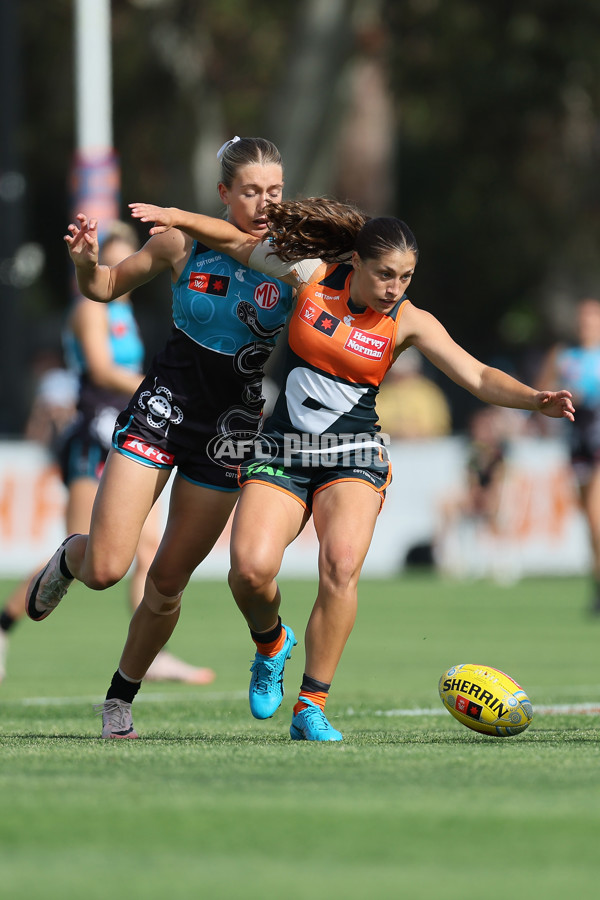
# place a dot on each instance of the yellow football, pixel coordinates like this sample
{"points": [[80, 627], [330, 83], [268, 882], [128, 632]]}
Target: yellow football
{"points": [[485, 699]]}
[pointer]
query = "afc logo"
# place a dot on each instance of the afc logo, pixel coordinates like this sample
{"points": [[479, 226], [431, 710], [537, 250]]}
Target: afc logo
{"points": [[266, 295]]}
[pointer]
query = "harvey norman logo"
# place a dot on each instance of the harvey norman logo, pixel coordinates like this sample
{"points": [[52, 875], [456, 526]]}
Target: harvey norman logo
{"points": [[365, 343]]}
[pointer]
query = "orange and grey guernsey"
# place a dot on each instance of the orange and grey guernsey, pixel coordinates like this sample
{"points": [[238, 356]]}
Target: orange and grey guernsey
{"points": [[337, 356]]}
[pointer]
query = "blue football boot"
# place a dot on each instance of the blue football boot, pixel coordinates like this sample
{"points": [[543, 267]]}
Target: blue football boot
{"points": [[266, 684], [310, 724]]}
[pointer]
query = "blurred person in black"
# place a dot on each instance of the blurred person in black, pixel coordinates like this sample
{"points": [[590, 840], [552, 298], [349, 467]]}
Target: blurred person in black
{"points": [[577, 365]]}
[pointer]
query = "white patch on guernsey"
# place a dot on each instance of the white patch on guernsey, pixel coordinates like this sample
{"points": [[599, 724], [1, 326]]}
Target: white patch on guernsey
{"points": [[336, 397]]}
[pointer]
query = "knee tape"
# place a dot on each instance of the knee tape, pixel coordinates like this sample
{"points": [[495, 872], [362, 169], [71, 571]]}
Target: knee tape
{"points": [[161, 605]]}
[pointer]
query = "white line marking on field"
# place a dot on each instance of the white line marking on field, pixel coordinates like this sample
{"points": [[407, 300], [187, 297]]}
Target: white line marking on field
{"points": [[142, 698], [563, 709]]}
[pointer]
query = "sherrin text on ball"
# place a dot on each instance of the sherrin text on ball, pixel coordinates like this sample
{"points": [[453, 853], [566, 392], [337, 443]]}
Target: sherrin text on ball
{"points": [[485, 700]]}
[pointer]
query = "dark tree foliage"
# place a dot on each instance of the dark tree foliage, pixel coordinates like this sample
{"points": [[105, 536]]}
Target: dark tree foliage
{"points": [[498, 161], [498, 146]]}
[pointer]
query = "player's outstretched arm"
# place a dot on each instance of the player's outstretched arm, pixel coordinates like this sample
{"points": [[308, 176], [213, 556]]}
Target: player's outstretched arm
{"points": [[218, 234], [422, 330], [104, 283]]}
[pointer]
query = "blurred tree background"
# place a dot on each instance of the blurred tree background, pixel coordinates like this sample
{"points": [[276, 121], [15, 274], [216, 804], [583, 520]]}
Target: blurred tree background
{"points": [[477, 122]]}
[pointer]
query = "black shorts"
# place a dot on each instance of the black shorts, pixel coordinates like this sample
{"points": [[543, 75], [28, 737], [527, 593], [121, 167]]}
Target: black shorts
{"points": [[161, 452], [584, 443], [178, 411], [81, 450], [304, 474]]}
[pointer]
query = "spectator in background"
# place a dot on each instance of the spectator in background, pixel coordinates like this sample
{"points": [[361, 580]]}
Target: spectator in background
{"points": [[472, 539], [55, 400], [410, 405], [468, 517], [578, 366], [105, 354]]}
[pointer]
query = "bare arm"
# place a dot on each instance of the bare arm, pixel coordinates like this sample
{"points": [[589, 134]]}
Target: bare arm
{"points": [[422, 330], [218, 234], [226, 238], [89, 322], [104, 283]]}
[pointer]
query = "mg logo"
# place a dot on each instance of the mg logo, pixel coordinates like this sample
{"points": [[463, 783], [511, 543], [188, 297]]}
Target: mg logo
{"points": [[266, 295]]}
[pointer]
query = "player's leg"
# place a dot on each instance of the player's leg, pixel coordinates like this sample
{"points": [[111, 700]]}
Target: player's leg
{"points": [[125, 496], [82, 492], [12, 612], [344, 515], [266, 521], [147, 547], [590, 499], [196, 519], [166, 666]]}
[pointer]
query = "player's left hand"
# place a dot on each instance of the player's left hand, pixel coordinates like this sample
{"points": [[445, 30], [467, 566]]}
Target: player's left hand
{"points": [[162, 216], [556, 404]]}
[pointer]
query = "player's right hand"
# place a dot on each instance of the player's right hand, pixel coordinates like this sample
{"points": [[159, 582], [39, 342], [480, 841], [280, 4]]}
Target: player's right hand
{"points": [[162, 216], [82, 241]]}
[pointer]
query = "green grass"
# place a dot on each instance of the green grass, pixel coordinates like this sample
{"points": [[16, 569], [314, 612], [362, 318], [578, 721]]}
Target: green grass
{"points": [[211, 803]]}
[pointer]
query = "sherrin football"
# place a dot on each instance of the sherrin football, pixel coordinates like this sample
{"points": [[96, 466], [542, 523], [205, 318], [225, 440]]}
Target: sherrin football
{"points": [[486, 700]]}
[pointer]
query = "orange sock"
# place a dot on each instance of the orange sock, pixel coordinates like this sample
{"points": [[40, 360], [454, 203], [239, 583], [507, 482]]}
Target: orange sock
{"points": [[319, 698], [273, 648]]}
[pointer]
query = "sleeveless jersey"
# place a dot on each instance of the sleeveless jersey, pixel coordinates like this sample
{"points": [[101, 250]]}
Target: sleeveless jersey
{"points": [[83, 446], [126, 350], [338, 354], [579, 370], [207, 380]]}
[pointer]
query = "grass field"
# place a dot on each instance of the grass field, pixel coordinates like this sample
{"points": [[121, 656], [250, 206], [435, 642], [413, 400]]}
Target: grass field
{"points": [[211, 803]]}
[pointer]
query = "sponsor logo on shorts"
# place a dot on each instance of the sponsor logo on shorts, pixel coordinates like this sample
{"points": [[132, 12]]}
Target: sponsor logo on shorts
{"points": [[148, 451], [366, 344], [205, 283], [313, 315], [267, 295]]}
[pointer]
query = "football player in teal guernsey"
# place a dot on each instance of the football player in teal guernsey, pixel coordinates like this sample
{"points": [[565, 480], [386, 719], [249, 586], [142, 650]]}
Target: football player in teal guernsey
{"points": [[578, 366], [104, 348], [202, 389]]}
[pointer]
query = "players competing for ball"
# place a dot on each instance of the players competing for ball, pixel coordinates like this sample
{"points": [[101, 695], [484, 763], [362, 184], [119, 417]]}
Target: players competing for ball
{"points": [[330, 387], [352, 321]]}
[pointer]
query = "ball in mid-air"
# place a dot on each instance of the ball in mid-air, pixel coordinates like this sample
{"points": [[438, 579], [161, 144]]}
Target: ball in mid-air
{"points": [[485, 699]]}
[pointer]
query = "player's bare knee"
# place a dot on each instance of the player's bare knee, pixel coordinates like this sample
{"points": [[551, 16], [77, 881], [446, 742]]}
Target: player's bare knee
{"points": [[339, 572], [103, 577], [250, 576]]}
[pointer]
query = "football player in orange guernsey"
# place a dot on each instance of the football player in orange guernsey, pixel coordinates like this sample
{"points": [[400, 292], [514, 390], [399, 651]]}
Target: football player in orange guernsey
{"points": [[328, 459]]}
